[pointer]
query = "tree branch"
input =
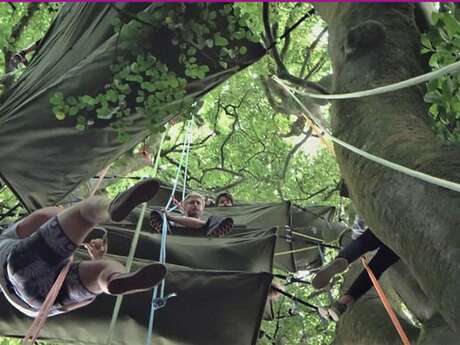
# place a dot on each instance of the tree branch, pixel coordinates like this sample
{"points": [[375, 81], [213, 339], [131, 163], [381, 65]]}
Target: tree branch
{"points": [[282, 70], [292, 152], [320, 63], [11, 59], [309, 51], [229, 186]]}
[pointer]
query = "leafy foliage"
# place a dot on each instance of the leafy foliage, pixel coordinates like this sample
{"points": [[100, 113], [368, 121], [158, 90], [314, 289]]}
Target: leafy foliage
{"points": [[443, 42], [21, 25], [154, 86]]}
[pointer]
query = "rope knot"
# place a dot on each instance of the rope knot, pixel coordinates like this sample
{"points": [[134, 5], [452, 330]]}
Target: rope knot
{"points": [[159, 303]]}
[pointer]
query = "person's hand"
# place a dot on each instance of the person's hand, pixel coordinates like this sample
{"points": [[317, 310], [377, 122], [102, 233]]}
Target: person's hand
{"points": [[96, 248], [179, 205]]}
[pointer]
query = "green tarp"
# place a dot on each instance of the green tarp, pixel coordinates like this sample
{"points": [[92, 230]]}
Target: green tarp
{"points": [[43, 159], [292, 252], [252, 253], [220, 281], [212, 307]]}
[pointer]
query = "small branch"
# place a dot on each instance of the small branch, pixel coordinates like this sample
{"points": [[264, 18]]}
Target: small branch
{"points": [[287, 32], [13, 7], [292, 152], [320, 63], [11, 59], [178, 147], [235, 115], [282, 70], [18, 29], [229, 186], [310, 49]]}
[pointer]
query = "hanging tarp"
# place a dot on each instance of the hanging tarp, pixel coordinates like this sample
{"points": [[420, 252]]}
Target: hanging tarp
{"points": [[43, 159], [292, 253], [211, 307], [247, 217], [251, 253]]}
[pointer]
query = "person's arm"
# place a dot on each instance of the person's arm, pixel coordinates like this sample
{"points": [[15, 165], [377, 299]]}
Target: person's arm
{"points": [[187, 222], [33, 221]]}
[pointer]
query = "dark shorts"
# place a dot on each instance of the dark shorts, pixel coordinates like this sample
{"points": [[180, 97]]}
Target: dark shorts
{"points": [[36, 261]]}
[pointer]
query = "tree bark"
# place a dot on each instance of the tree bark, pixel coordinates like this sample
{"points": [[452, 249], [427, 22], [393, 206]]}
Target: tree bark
{"points": [[372, 45]]}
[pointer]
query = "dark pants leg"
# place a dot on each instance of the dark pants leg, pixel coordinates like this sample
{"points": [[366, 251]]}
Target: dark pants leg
{"points": [[367, 242], [383, 259]]}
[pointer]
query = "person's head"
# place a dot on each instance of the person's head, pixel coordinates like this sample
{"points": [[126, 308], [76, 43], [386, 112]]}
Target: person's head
{"points": [[209, 201], [224, 199], [193, 205]]}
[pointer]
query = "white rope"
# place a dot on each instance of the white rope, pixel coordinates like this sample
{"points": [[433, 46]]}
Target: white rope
{"points": [[405, 170], [452, 69]]}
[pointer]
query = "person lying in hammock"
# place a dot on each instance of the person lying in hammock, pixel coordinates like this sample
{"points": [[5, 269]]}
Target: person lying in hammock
{"points": [[34, 250], [224, 199], [381, 261], [192, 208]]}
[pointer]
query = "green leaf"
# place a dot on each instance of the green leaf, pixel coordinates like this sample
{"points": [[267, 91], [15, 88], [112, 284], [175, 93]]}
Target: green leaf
{"points": [[73, 111], [60, 115], [434, 109], [173, 82], [435, 16], [71, 100], [220, 41], [240, 34], [432, 96], [426, 42], [88, 100], [55, 100], [455, 107], [451, 24]]}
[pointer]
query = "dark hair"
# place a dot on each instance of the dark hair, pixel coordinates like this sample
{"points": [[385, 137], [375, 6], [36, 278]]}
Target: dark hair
{"points": [[226, 195]]}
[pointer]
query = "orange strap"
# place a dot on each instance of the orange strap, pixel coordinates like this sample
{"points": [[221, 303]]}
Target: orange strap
{"points": [[34, 330], [99, 181], [385, 302]]}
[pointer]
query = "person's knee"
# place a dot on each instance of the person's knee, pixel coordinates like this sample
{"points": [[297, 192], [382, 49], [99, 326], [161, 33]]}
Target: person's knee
{"points": [[47, 213], [32, 222]]}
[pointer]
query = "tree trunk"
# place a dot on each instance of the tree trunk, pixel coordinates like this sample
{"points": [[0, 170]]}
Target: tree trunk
{"points": [[367, 322], [377, 44]]}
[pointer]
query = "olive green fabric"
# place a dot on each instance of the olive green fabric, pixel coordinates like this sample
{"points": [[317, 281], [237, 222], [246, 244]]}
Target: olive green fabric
{"points": [[211, 307], [251, 253], [292, 253], [43, 159]]}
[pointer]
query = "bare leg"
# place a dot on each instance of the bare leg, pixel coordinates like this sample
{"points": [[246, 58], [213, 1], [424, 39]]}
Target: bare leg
{"points": [[95, 275], [78, 220], [33, 221]]}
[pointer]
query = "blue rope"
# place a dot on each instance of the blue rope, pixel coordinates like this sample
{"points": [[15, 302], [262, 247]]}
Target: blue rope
{"points": [[160, 301]]}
